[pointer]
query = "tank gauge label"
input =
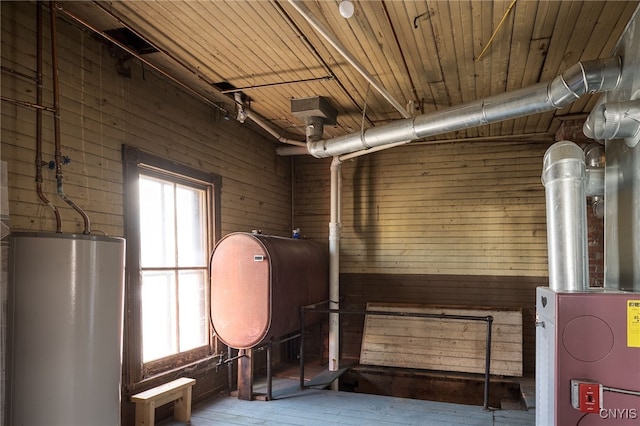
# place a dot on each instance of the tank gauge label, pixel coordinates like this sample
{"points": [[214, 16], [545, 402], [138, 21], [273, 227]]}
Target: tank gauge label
{"points": [[633, 323]]}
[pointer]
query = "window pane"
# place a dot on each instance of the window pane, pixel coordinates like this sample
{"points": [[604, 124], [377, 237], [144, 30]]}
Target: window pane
{"points": [[192, 238], [158, 315], [157, 224], [193, 315]]}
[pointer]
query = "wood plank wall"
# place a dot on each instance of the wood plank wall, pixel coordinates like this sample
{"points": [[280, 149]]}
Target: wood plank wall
{"points": [[100, 111], [458, 209], [449, 224]]}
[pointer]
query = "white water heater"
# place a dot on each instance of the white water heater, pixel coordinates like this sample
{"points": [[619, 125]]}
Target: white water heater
{"points": [[65, 324]]}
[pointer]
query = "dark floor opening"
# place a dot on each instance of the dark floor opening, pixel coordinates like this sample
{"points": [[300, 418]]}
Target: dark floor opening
{"points": [[456, 388]]}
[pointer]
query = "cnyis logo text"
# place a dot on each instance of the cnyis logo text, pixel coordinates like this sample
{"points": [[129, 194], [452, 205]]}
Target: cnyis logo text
{"points": [[618, 413]]}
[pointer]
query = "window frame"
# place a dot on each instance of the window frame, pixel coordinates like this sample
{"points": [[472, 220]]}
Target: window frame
{"points": [[135, 163]]}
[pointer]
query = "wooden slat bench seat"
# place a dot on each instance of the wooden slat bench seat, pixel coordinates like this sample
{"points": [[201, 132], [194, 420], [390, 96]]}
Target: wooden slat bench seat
{"points": [[178, 391]]}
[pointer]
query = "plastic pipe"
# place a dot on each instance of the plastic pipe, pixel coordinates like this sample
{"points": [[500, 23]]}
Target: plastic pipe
{"points": [[334, 267]]}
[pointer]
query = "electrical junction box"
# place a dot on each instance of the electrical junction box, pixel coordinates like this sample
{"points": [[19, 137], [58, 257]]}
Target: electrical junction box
{"points": [[586, 396]]}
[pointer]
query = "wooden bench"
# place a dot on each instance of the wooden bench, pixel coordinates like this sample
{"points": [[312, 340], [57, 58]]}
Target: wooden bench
{"points": [[178, 391]]}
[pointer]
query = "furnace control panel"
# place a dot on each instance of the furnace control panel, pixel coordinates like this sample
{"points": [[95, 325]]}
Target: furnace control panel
{"points": [[586, 396]]}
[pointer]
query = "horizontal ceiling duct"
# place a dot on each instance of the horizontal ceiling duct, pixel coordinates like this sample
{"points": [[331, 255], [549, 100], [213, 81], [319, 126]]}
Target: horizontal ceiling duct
{"points": [[582, 78]]}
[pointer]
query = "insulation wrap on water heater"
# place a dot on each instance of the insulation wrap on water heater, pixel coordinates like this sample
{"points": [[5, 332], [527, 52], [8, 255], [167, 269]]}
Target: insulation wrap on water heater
{"points": [[259, 282], [65, 323]]}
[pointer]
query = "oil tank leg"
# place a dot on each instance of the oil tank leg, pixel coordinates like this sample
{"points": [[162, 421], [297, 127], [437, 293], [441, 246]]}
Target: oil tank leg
{"points": [[230, 369], [245, 375], [269, 373]]}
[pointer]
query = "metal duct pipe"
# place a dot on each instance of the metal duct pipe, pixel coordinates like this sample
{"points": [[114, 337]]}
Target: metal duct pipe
{"points": [[595, 162], [564, 176], [594, 159], [313, 128], [615, 120], [580, 79]]}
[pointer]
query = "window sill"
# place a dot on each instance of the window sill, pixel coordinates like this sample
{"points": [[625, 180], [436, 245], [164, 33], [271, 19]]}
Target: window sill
{"points": [[199, 366]]}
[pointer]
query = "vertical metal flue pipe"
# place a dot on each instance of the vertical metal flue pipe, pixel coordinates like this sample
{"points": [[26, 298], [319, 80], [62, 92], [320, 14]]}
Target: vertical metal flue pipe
{"points": [[564, 179]]}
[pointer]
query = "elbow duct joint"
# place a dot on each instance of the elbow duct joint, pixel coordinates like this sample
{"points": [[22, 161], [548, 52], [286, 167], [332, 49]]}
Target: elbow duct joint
{"points": [[615, 120]]}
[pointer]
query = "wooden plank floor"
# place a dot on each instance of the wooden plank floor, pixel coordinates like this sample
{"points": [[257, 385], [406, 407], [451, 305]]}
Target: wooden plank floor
{"points": [[324, 407]]}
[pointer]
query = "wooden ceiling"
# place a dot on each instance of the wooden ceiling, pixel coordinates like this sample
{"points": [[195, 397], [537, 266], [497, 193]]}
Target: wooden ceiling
{"points": [[433, 54]]}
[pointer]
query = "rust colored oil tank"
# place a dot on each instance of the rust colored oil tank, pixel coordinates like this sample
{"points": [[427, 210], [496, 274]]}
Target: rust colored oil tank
{"points": [[259, 282]]}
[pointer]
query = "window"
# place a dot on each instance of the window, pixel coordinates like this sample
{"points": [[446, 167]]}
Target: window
{"points": [[170, 214], [173, 262]]}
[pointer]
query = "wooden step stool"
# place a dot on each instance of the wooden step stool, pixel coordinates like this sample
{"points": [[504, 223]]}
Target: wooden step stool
{"points": [[178, 391]]}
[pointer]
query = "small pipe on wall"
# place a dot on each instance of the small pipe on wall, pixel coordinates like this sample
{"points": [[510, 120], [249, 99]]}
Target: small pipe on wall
{"points": [[56, 121], [38, 162]]}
